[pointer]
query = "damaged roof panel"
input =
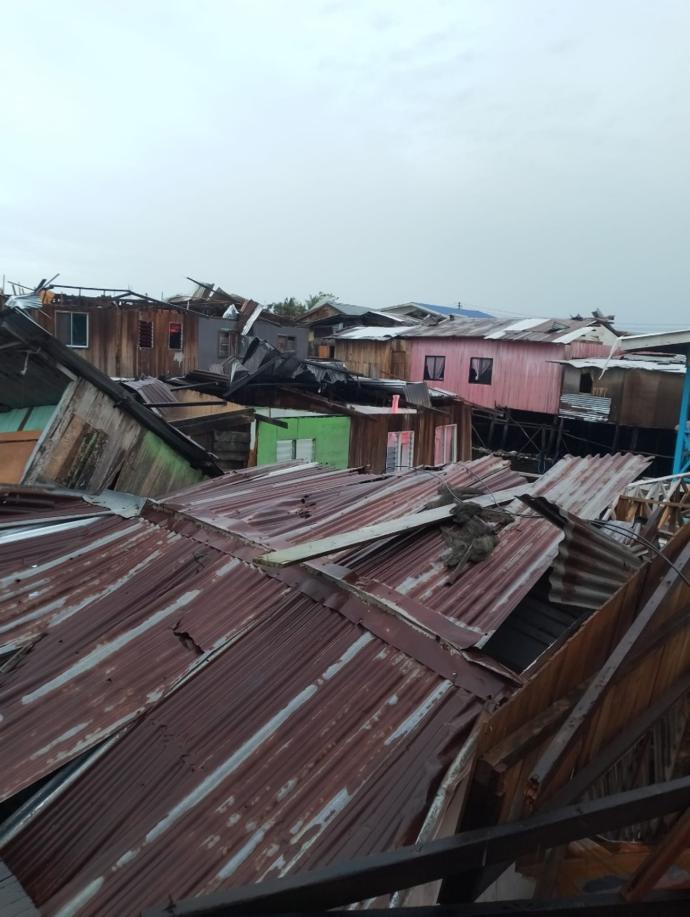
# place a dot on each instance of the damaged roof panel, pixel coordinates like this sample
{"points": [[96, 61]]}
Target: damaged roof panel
{"points": [[237, 777], [487, 592], [122, 594], [279, 506]]}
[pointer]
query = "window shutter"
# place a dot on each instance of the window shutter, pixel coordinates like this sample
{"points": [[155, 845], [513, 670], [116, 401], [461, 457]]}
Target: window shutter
{"points": [[304, 450], [285, 450]]}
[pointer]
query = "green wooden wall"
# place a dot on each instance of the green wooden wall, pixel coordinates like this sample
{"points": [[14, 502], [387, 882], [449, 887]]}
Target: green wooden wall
{"points": [[331, 435]]}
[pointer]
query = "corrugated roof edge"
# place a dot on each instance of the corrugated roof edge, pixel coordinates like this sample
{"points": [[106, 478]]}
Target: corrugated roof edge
{"points": [[25, 329]]}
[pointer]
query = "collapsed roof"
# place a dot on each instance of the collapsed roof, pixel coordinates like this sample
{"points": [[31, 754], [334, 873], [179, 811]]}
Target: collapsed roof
{"points": [[294, 714]]}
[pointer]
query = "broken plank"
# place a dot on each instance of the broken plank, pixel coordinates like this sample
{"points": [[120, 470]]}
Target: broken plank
{"points": [[365, 535]]}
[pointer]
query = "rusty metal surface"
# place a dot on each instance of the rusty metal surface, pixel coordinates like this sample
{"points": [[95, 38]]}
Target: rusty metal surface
{"points": [[286, 722], [590, 565], [38, 504], [285, 505], [488, 591], [305, 739]]}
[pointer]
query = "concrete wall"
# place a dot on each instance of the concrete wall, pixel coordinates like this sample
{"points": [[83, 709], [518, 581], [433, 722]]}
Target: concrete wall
{"points": [[331, 435]]}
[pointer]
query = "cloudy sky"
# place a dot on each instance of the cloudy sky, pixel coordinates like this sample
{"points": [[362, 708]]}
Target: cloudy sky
{"points": [[526, 156]]}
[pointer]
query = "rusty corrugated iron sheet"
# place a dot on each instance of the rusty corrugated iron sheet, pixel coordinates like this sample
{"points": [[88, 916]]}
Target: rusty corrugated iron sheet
{"points": [[287, 721], [488, 591], [283, 505], [38, 504], [309, 741], [590, 565]]}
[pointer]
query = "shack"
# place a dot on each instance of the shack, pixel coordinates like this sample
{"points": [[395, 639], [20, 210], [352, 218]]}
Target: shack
{"points": [[65, 422], [634, 390], [122, 333], [329, 317]]}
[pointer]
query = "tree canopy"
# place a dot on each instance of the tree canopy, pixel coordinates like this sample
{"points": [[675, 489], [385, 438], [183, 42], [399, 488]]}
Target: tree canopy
{"points": [[291, 307]]}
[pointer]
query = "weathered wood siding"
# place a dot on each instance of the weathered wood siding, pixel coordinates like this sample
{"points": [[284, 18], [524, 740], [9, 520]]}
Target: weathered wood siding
{"points": [[369, 435], [639, 398], [91, 445], [113, 344], [378, 359]]}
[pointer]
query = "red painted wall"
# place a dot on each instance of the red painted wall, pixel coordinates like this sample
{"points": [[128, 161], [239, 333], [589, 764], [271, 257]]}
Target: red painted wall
{"points": [[523, 375]]}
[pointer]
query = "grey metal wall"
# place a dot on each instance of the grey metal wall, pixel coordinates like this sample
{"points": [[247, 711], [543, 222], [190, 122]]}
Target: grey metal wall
{"points": [[267, 331]]}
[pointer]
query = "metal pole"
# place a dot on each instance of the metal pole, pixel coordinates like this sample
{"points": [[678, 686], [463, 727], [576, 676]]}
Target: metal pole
{"points": [[680, 457]]}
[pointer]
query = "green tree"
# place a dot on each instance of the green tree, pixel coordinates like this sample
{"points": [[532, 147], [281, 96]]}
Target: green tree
{"points": [[294, 308]]}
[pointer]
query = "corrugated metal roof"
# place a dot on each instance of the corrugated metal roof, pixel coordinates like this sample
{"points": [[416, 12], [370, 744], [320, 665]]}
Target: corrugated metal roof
{"points": [[301, 745], [590, 565], [648, 365], [485, 594], [151, 390], [372, 333], [283, 505], [265, 720], [539, 330], [282, 715]]}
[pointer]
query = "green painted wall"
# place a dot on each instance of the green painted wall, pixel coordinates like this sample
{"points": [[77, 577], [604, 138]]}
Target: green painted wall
{"points": [[332, 435], [152, 469], [38, 418]]}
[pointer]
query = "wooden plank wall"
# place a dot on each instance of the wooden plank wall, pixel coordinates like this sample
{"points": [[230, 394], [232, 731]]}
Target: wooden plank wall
{"points": [[578, 660], [114, 339], [377, 359], [91, 445], [369, 434]]}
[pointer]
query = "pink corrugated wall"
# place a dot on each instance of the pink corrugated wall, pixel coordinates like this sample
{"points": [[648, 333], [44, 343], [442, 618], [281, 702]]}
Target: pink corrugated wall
{"points": [[524, 376]]}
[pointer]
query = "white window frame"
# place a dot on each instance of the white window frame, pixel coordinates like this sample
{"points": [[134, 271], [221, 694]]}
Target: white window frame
{"points": [[400, 450], [301, 450], [446, 444], [72, 312]]}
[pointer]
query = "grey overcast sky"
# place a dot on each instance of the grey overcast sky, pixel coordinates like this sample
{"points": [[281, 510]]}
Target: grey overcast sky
{"points": [[520, 155]]}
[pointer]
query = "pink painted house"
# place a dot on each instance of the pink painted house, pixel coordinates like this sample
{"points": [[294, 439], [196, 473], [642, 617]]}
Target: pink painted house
{"points": [[505, 364]]}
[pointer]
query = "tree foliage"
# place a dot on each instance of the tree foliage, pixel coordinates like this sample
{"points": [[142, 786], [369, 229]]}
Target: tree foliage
{"points": [[293, 308]]}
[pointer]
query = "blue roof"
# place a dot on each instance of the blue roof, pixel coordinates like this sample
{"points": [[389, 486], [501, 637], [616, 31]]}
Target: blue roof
{"points": [[453, 310]]}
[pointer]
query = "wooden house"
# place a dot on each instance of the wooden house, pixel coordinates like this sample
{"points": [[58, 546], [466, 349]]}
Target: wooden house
{"points": [[330, 317], [630, 391], [490, 362], [122, 333], [66, 423]]}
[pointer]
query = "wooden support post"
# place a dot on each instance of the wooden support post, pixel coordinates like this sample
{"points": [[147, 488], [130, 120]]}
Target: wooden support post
{"points": [[504, 435]]}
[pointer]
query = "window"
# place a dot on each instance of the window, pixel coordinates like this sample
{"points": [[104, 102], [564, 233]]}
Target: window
{"points": [[290, 450], [434, 368], [446, 444], [175, 335], [72, 328], [285, 342], [400, 450], [145, 335], [586, 383], [223, 345], [480, 370]]}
